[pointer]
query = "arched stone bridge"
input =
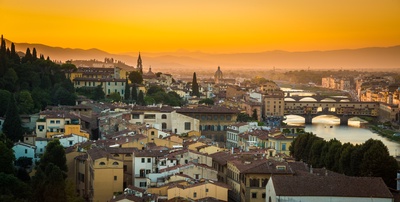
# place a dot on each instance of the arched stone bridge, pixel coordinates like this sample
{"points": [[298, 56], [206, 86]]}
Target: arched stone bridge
{"points": [[342, 110], [320, 98]]}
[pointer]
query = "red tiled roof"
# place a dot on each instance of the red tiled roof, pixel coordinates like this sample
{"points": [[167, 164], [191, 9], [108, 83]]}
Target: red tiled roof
{"points": [[311, 185]]}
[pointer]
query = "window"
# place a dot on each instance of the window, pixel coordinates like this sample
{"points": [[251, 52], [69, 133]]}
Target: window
{"points": [[164, 116], [149, 116], [52, 121], [197, 176], [284, 147], [143, 160], [102, 163], [254, 182], [71, 142], [163, 126], [152, 132], [115, 178], [254, 195], [206, 189], [194, 194], [148, 171], [125, 168], [148, 160], [187, 125], [115, 163], [116, 155], [142, 184], [26, 151], [128, 155], [263, 195], [58, 122]]}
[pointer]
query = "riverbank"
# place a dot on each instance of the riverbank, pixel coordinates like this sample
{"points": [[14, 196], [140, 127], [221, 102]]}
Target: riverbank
{"points": [[385, 132]]}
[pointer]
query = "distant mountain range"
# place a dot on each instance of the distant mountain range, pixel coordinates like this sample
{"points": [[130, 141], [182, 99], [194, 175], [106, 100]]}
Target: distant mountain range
{"points": [[373, 58]]}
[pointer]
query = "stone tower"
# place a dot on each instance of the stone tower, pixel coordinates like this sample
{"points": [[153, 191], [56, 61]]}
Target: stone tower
{"points": [[218, 75], [139, 65]]}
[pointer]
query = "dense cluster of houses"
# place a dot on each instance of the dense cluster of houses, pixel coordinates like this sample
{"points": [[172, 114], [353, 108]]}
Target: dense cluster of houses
{"points": [[125, 152]]}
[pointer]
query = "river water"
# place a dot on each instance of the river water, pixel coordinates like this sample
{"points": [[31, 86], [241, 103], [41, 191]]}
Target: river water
{"points": [[328, 127]]}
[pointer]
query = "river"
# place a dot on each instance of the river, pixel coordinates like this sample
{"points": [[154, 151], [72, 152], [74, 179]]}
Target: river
{"points": [[328, 128]]}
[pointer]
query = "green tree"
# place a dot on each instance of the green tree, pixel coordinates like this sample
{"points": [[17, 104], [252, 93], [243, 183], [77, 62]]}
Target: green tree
{"points": [[243, 117], [70, 191], [11, 79], [136, 77], [127, 90], [54, 189], [5, 97], [115, 97], [98, 93], [154, 89], [345, 159], [195, 86], [207, 101], [377, 162], [54, 154], [28, 56], [62, 96], [6, 159], [134, 93], [13, 189], [12, 126], [34, 54], [332, 157], [315, 153], [40, 98], [140, 100], [25, 102], [254, 115]]}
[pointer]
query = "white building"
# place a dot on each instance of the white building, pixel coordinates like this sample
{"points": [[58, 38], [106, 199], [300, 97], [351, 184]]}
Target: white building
{"points": [[232, 134], [70, 140], [144, 163], [327, 188], [22, 149], [167, 117]]}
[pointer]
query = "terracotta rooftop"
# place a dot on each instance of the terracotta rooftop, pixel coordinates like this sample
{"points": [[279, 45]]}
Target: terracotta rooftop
{"points": [[368, 187], [208, 109]]}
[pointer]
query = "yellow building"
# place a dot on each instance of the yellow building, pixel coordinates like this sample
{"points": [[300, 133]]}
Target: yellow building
{"points": [[274, 104], [105, 175], [201, 190], [52, 123]]}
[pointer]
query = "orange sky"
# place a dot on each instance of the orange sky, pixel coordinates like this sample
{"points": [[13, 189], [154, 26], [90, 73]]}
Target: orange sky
{"points": [[215, 26]]}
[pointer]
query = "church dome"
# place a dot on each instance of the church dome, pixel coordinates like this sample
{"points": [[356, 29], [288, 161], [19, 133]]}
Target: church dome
{"points": [[218, 74]]}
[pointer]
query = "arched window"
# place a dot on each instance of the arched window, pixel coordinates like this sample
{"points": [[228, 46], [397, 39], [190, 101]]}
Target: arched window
{"points": [[164, 116], [128, 155], [164, 126], [116, 155], [115, 163], [152, 132], [102, 163]]}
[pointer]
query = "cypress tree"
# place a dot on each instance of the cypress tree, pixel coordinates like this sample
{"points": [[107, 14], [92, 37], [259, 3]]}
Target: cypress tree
{"points": [[140, 99], [195, 86], [3, 46], [14, 54], [127, 94], [28, 56], [134, 92], [34, 54], [13, 125]]}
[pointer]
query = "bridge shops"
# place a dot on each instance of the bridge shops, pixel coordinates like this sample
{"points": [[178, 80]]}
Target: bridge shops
{"points": [[343, 110]]}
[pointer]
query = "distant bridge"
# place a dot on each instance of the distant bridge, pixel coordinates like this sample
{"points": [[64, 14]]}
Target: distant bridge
{"points": [[343, 110]]}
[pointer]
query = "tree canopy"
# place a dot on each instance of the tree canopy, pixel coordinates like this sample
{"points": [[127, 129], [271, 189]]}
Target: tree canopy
{"points": [[135, 77], [370, 159]]}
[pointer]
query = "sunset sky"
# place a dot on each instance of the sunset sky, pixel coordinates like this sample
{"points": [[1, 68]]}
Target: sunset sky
{"points": [[214, 26]]}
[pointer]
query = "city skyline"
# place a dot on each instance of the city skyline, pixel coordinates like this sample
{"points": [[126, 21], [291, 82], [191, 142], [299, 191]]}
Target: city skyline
{"points": [[206, 26]]}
